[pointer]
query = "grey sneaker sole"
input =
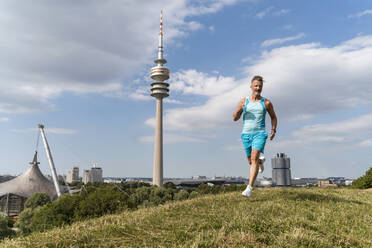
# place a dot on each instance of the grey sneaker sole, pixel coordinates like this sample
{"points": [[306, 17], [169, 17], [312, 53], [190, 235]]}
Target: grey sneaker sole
{"points": [[246, 194]]}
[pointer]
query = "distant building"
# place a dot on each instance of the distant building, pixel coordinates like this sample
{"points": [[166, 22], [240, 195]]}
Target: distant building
{"points": [[281, 173], [113, 180], [265, 182], [73, 175], [199, 177], [326, 184], [303, 182], [337, 180], [349, 181], [85, 176], [93, 175]]}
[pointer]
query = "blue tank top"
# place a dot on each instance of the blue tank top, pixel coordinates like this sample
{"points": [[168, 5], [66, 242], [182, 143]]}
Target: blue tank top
{"points": [[254, 114]]}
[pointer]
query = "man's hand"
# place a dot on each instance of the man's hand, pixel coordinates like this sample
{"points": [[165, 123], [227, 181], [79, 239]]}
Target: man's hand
{"points": [[242, 103], [239, 109], [272, 134], [274, 121]]}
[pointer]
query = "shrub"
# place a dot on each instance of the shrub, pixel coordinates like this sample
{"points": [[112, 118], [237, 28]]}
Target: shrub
{"points": [[5, 230], [36, 200], [203, 189], [169, 185], [24, 222], [181, 195], [140, 195], [364, 182], [194, 194], [105, 200], [158, 196], [57, 213], [234, 187]]}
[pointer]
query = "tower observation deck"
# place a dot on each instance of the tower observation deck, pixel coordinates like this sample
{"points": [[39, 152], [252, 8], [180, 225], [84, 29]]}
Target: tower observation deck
{"points": [[159, 73]]}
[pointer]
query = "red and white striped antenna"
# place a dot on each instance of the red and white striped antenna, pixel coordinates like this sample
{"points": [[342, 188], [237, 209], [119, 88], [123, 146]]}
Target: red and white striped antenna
{"points": [[161, 22], [160, 48]]}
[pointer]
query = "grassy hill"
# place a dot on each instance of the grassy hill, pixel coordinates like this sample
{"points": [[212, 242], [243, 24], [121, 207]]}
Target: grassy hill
{"points": [[273, 217]]}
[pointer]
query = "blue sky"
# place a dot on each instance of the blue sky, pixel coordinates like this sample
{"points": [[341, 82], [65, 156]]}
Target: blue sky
{"points": [[82, 69]]}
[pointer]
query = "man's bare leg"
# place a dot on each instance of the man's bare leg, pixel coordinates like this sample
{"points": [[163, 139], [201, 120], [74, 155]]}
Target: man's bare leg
{"points": [[254, 166]]}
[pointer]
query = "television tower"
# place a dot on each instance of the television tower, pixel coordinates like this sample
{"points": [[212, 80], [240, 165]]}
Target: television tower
{"points": [[159, 90]]}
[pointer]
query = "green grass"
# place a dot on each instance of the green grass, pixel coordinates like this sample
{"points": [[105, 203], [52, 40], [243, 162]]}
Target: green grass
{"points": [[272, 217]]}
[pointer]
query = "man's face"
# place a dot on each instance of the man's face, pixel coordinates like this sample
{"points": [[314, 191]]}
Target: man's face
{"points": [[256, 87]]}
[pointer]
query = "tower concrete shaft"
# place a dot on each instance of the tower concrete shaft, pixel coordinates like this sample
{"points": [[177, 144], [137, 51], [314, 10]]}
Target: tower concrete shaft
{"points": [[159, 90], [157, 178]]}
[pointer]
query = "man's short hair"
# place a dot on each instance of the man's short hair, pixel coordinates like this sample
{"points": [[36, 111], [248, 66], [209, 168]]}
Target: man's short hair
{"points": [[258, 78]]}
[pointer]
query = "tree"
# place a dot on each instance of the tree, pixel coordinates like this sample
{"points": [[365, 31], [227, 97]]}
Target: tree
{"points": [[140, 195], [5, 230], [158, 195], [58, 213], [194, 194], [105, 200], [181, 195], [364, 182], [37, 199], [24, 222], [203, 189]]}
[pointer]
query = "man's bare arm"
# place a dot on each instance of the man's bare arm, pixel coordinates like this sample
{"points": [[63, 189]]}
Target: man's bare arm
{"points": [[274, 121], [238, 112]]}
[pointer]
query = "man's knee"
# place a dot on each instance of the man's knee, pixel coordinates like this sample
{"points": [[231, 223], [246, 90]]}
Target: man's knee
{"points": [[255, 155]]}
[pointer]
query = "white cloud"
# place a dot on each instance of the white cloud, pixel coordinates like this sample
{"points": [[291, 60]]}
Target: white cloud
{"points": [[301, 117], [353, 130], [212, 6], [142, 94], [193, 26], [281, 12], [52, 130], [366, 143], [233, 148], [360, 124], [211, 28], [167, 100], [311, 79], [194, 82], [272, 42], [171, 138], [262, 14], [4, 119], [360, 14], [269, 12], [302, 81], [288, 27], [48, 48], [248, 59], [61, 131]]}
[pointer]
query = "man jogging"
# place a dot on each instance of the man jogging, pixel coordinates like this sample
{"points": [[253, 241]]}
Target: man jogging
{"points": [[253, 135]]}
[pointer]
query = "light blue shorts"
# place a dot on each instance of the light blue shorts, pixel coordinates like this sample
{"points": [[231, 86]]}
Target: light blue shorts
{"points": [[255, 140]]}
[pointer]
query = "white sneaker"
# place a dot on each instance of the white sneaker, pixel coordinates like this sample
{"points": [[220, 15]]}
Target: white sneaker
{"points": [[261, 161], [247, 192]]}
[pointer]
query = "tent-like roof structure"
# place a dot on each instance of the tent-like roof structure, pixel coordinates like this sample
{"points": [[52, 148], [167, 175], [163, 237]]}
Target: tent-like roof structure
{"points": [[30, 182]]}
